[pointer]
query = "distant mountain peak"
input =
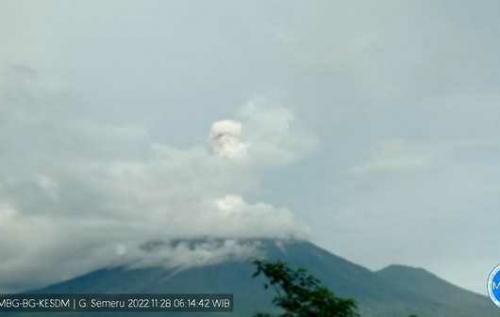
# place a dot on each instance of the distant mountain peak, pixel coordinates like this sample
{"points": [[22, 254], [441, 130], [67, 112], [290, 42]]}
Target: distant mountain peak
{"points": [[407, 270]]}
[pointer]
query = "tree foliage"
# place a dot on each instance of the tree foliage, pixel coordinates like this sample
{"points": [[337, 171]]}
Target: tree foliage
{"points": [[300, 294]]}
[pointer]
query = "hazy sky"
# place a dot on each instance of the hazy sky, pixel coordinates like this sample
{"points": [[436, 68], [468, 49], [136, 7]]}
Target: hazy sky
{"points": [[371, 127]]}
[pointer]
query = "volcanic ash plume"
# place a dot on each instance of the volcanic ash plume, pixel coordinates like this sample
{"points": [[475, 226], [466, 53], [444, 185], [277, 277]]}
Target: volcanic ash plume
{"points": [[226, 140]]}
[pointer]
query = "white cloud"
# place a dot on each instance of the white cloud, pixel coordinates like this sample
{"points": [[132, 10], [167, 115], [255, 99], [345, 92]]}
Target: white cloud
{"points": [[6, 213], [273, 134], [184, 254], [111, 188], [48, 185]]}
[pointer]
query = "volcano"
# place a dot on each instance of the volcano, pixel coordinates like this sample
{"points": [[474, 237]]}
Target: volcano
{"points": [[395, 291]]}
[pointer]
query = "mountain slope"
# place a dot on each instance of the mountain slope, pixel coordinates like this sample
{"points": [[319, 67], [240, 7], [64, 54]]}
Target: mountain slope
{"points": [[426, 285], [393, 292]]}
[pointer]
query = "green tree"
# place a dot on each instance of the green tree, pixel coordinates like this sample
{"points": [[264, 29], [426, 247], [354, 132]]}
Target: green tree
{"points": [[300, 294]]}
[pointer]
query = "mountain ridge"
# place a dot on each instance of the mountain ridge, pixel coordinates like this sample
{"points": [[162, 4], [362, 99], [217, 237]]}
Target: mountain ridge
{"points": [[395, 291]]}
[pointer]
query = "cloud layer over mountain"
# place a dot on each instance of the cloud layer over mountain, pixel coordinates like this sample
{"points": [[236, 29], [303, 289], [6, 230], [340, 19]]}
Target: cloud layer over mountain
{"points": [[73, 189]]}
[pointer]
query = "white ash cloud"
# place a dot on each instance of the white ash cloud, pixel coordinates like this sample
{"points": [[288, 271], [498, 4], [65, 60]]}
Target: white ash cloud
{"points": [[226, 140], [112, 187]]}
